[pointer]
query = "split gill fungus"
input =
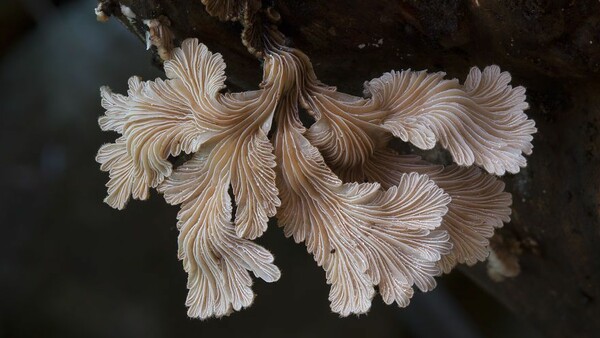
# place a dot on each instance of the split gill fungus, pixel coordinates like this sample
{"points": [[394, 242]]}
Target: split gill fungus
{"points": [[369, 215]]}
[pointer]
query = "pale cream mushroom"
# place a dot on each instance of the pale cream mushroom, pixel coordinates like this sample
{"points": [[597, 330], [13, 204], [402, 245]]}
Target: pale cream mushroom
{"points": [[101, 16], [159, 35], [361, 234], [481, 122], [479, 203], [227, 132], [412, 221]]}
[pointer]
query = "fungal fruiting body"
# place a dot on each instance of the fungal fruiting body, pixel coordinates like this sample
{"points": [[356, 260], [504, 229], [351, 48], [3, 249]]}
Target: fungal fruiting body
{"points": [[370, 216]]}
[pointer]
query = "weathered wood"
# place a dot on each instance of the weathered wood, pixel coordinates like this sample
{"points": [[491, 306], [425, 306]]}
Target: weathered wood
{"points": [[552, 48]]}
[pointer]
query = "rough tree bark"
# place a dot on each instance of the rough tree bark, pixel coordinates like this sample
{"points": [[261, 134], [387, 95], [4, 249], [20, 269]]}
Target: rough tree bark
{"points": [[550, 47]]}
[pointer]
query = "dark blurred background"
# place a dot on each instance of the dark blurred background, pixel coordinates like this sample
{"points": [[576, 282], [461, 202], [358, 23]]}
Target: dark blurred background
{"points": [[70, 266]]}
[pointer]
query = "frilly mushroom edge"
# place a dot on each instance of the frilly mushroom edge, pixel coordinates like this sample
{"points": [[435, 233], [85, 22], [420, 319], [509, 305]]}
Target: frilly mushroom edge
{"points": [[370, 216]]}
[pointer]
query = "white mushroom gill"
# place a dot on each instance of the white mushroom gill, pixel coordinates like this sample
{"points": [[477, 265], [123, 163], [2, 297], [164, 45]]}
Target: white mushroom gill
{"points": [[371, 217]]}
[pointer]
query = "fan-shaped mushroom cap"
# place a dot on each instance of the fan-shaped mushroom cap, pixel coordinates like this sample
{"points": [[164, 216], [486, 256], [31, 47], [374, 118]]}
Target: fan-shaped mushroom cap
{"points": [[227, 132], [411, 221], [362, 236], [484, 119]]}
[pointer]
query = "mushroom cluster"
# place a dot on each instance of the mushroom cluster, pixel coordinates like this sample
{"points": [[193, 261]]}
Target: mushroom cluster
{"points": [[369, 215]]}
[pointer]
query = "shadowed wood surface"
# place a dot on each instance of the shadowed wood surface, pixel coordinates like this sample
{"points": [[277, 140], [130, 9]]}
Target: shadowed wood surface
{"points": [[552, 48]]}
